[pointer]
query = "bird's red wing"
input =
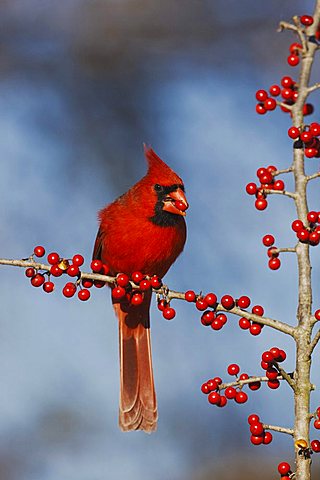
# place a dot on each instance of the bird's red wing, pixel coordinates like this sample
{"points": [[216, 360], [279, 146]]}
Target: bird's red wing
{"points": [[138, 405], [97, 250]]}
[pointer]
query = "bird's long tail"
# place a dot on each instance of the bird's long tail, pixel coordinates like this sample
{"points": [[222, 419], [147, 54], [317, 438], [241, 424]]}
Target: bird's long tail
{"points": [[138, 405]]}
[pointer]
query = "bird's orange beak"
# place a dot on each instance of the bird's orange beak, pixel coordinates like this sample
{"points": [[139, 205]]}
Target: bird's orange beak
{"points": [[176, 202]]}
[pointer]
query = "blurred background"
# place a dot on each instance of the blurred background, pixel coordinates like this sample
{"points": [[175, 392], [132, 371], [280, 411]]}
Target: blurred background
{"points": [[83, 83]]}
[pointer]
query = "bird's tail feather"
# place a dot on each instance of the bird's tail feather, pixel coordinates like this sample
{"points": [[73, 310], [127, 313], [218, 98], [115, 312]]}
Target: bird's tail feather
{"points": [[138, 405]]}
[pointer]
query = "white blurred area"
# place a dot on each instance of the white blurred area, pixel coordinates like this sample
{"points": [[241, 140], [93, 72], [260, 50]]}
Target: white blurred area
{"points": [[82, 86]]}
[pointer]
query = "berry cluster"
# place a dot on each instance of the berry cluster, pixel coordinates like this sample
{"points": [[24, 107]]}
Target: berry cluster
{"points": [[214, 386], [316, 423], [269, 363], [308, 234], [288, 89], [272, 252], [259, 435], [253, 327], [267, 182], [58, 267], [307, 138], [123, 290]]}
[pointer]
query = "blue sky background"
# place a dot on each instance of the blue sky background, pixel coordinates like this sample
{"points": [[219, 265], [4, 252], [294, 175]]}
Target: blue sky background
{"points": [[81, 88]]}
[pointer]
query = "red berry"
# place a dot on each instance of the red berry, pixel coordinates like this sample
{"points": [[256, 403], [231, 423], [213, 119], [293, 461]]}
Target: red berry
{"points": [[318, 412], [99, 283], [84, 294], [254, 386], [241, 397], [105, 269], [162, 304], [275, 90], [201, 304], [287, 82], [223, 401], [303, 235], [268, 240], [312, 216], [86, 283], [37, 280], [260, 109], [137, 277], [317, 314], [272, 373], [233, 369], [56, 271], [155, 282], [282, 356], [30, 272], [297, 225], [205, 388], [314, 238], [227, 302], [274, 263], [211, 299], [258, 310], [306, 136], [251, 188], [256, 429], [137, 299], [267, 438], [214, 398], [253, 418], [244, 376], [295, 47], [217, 323], [294, 133], [270, 104], [261, 204], [287, 93], [264, 365], [218, 380], [278, 185], [39, 251], [48, 287], [169, 313], [273, 384], [255, 329], [53, 258], [316, 424], [207, 317], [310, 152], [244, 323], [293, 60], [96, 265], [73, 270], [261, 95], [267, 357], [190, 296], [315, 445], [307, 109], [243, 302], [256, 440], [306, 20], [315, 129], [78, 260], [230, 393], [212, 384], [275, 352], [271, 168], [144, 285], [284, 468], [122, 280], [118, 292], [69, 289]]}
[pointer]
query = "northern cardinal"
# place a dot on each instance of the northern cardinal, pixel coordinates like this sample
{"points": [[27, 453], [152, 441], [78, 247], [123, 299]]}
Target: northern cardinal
{"points": [[143, 230]]}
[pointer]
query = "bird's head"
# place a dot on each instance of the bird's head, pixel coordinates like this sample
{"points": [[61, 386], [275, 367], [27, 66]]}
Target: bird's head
{"points": [[166, 191]]}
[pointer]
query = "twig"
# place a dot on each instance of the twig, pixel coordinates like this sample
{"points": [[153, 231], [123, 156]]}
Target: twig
{"points": [[313, 87], [275, 428], [279, 192], [311, 177], [314, 342], [280, 172]]}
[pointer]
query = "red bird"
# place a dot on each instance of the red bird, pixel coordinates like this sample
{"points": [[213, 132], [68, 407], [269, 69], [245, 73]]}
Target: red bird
{"points": [[143, 230]]}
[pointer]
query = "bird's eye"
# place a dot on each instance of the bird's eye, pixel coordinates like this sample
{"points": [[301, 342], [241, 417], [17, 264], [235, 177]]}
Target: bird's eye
{"points": [[158, 187]]}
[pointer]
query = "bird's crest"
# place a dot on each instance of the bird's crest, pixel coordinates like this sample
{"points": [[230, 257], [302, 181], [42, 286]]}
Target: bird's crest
{"points": [[159, 170]]}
